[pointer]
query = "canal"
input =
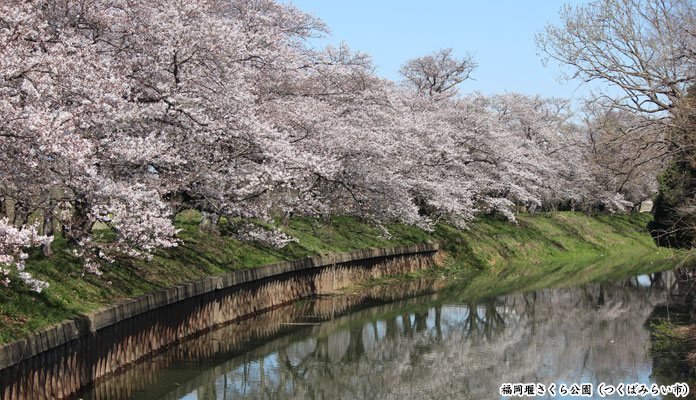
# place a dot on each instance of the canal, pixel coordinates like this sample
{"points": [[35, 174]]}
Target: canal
{"points": [[423, 339]]}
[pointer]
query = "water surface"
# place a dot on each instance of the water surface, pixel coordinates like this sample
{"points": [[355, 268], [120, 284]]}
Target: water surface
{"points": [[432, 343]]}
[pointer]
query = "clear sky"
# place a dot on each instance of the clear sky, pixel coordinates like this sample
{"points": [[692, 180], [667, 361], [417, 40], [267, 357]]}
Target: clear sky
{"points": [[499, 33]]}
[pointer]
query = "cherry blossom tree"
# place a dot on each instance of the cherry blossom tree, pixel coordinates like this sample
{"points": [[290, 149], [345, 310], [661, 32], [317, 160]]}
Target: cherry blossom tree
{"points": [[12, 242], [152, 112], [120, 113], [437, 74]]}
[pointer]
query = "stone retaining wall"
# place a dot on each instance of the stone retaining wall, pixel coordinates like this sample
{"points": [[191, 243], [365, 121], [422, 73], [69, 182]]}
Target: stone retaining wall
{"points": [[57, 361]]}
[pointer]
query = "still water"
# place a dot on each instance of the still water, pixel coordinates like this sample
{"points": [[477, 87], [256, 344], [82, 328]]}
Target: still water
{"points": [[416, 340]]}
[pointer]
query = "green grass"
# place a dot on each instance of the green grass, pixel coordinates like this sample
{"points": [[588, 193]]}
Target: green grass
{"points": [[540, 238], [537, 244]]}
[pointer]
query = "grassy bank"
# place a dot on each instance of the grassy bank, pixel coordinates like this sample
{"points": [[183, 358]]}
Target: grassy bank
{"points": [[535, 243]]}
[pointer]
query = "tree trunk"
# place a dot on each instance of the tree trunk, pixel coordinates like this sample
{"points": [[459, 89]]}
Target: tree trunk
{"points": [[325, 218], [209, 223], [47, 231], [9, 210], [21, 214], [286, 219]]}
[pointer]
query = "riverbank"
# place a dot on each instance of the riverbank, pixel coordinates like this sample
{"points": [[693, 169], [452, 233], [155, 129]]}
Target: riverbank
{"points": [[488, 245], [398, 338]]}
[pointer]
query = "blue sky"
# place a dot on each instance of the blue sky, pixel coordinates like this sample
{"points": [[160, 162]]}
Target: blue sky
{"points": [[499, 33]]}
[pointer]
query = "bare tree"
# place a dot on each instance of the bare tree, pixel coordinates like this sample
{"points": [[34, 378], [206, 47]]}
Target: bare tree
{"points": [[624, 151], [438, 73], [646, 48], [643, 47]]}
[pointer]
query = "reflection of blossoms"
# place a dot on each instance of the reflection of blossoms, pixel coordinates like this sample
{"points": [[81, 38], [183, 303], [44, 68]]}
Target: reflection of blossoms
{"points": [[12, 242], [460, 349]]}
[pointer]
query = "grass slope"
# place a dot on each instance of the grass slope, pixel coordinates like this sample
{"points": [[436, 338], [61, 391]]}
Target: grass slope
{"points": [[488, 245]]}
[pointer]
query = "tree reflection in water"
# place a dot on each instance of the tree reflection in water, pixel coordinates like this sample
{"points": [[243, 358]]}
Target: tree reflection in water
{"points": [[433, 347]]}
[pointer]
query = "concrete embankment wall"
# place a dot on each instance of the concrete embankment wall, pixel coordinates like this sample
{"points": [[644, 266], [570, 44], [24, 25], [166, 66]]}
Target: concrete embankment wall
{"points": [[255, 338], [56, 362]]}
